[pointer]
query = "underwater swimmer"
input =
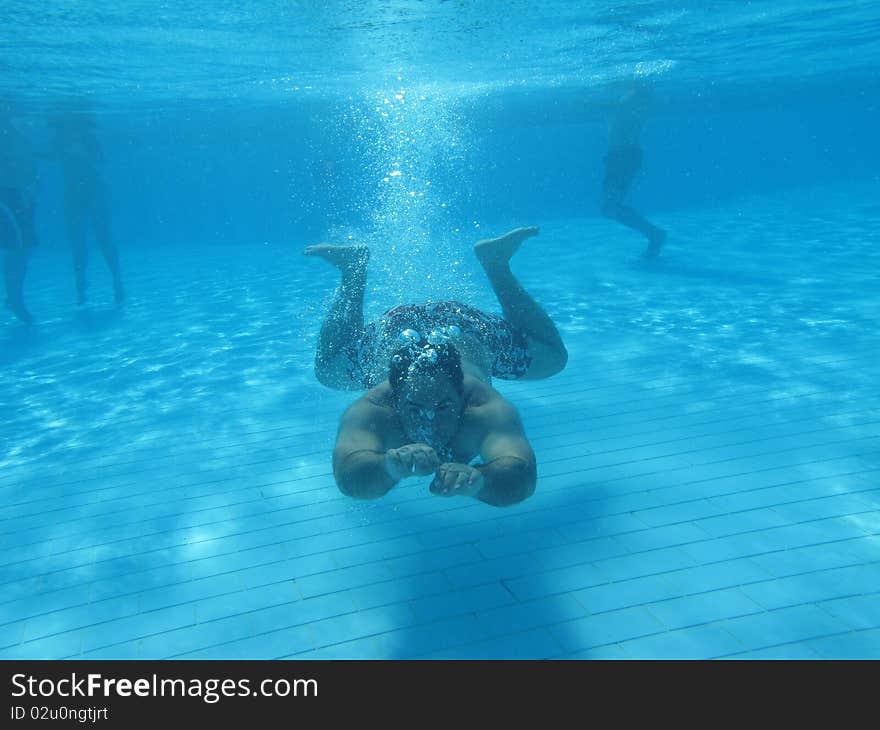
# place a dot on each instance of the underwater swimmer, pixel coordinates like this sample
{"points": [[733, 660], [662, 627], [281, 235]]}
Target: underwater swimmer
{"points": [[431, 408], [429, 417]]}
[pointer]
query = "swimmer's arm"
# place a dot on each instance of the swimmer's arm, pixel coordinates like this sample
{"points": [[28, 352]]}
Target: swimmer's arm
{"points": [[359, 454], [509, 469]]}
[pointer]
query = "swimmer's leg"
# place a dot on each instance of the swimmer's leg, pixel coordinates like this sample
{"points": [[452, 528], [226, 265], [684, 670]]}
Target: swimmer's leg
{"points": [[345, 320], [76, 230], [549, 355], [17, 240], [14, 270], [614, 208], [108, 247]]}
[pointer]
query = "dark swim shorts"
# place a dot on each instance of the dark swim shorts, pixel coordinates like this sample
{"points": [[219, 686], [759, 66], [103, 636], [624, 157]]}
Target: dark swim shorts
{"points": [[507, 345], [621, 166]]}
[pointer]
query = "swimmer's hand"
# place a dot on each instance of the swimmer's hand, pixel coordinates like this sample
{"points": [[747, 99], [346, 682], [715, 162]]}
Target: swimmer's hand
{"points": [[457, 480], [412, 460]]}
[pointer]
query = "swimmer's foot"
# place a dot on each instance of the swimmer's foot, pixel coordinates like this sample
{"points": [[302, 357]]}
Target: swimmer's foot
{"points": [[354, 256], [118, 293], [656, 241], [494, 251], [19, 310]]}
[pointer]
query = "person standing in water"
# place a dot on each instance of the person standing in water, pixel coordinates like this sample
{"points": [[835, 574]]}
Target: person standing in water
{"points": [[430, 407], [18, 187], [623, 161], [79, 153]]}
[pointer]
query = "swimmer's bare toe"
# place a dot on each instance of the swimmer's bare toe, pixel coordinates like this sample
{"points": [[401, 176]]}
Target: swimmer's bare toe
{"points": [[341, 256], [501, 249]]}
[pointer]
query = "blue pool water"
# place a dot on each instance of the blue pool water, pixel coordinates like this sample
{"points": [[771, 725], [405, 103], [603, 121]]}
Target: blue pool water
{"points": [[708, 461]]}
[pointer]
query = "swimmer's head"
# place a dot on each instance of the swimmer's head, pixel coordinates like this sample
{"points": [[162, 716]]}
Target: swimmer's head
{"points": [[427, 385]]}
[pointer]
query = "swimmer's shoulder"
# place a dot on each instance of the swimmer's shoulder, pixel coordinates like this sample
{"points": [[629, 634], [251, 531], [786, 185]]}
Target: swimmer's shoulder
{"points": [[487, 406], [375, 404], [479, 394], [487, 411], [378, 396], [372, 410]]}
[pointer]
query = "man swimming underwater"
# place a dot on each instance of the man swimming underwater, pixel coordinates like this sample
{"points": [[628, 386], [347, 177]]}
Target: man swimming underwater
{"points": [[430, 407]]}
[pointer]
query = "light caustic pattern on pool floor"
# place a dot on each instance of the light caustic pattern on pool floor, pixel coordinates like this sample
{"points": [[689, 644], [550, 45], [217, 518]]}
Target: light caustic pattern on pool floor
{"points": [[708, 461]]}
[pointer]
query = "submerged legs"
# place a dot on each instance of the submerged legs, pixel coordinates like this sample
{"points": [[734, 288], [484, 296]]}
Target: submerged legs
{"points": [[549, 355], [345, 320]]}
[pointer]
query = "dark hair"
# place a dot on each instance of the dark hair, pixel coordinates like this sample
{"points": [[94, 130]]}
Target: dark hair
{"points": [[427, 359]]}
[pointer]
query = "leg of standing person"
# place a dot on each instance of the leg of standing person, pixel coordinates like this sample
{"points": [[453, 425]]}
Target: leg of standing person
{"points": [[14, 271], [622, 166], [74, 214], [613, 207], [105, 241], [16, 224], [549, 355], [344, 323]]}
